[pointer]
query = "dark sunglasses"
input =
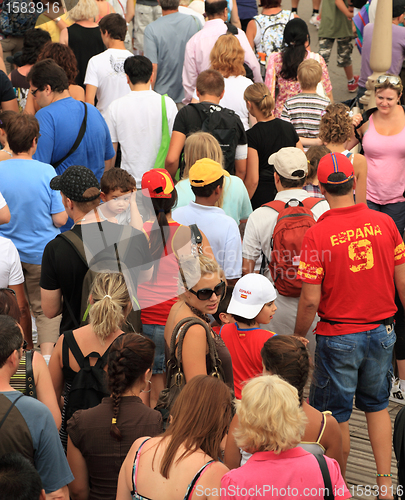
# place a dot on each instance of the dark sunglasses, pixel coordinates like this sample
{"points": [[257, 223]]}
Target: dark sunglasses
{"points": [[8, 290], [34, 92], [24, 346], [206, 293]]}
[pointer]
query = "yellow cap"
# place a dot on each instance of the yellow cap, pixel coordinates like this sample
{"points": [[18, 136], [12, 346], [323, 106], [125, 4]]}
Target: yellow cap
{"points": [[205, 171]]}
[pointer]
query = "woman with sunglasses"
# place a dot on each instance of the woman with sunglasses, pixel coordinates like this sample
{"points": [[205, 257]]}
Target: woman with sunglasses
{"points": [[204, 287], [41, 386], [383, 139]]}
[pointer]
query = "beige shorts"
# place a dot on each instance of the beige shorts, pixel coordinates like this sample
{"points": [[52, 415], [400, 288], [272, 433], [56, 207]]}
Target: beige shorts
{"points": [[144, 15]]}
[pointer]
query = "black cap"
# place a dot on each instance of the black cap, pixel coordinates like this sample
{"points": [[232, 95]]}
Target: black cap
{"points": [[75, 181]]}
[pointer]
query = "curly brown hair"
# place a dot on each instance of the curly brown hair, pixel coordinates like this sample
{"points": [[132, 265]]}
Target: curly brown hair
{"points": [[227, 56], [336, 124], [64, 57]]}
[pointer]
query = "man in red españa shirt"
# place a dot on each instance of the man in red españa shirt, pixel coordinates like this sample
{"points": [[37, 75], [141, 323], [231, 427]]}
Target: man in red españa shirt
{"points": [[350, 261]]}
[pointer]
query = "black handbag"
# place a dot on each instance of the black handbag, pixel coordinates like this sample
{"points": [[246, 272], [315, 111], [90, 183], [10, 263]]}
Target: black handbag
{"points": [[30, 389], [175, 379]]}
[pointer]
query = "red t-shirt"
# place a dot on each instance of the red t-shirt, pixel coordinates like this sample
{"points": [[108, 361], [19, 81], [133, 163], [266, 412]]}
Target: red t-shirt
{"points": [[156, 298], [352, 253], [244, 347]]}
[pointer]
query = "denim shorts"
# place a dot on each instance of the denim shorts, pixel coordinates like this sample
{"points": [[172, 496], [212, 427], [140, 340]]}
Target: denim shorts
{"points": [[354, 365], [156, 333]]}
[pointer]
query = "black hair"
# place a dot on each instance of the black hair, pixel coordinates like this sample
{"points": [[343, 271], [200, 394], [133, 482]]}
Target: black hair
{"points": [[160, 229], [10, 338], [206, 191], [338, 189], [129, 358], [19, 479], [294, 51], [34, 40], [115, 25], [223, 304], [47, 72], [138, 69], [290, 183], [240, 319], [216, 7]]}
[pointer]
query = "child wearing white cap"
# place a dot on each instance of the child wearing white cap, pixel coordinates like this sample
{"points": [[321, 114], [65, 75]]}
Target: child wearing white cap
{"points": [[252, 304]]}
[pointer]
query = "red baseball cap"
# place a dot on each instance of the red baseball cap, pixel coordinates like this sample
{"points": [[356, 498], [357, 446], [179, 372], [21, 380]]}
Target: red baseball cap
{"points": [[333, 163], [158, 182]]}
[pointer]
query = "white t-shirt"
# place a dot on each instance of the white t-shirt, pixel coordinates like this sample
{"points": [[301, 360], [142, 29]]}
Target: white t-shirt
{"points": [[106, 72], [3, 203], [222, 233], [10, 265], [191, 12], [235, 87], [140, 138]]}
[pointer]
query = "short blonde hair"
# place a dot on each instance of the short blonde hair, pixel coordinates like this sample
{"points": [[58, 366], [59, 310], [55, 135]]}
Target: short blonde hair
{"points": [[270, 416], [227, 56], [192, 269], [83, 10], [309, 74], [110, 298], [260, 96]]}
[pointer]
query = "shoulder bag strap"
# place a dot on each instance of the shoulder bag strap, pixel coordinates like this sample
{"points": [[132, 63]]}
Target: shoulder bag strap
{"points": [[11, 407], [77, 243], [276, 205], [311, 202], [75, 349], [30, 389], [78, 140], [326, 477]]}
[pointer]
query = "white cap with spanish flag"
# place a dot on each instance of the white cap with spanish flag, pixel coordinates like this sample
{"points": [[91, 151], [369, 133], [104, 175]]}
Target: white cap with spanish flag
{"points": [[250, 294]]}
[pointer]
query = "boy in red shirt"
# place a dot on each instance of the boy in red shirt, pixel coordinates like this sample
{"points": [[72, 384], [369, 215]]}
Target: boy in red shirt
{"points": [[252, 304]]}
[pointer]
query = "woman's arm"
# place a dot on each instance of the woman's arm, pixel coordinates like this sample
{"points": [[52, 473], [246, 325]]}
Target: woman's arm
{"points": [[360, 171], [55, 369], [130, 11], [251, 31], [45, 391], [252, 172], [5, 215], [79, 488], [194, 352], [64, 37], [332, 440], [235, 15], [232, 452], [31, 106]]}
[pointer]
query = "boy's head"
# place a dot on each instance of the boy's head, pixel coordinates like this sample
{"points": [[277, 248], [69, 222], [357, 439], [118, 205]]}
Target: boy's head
{"points": [[114, 25], [206, 176], [309, 74], [222, 317], [116, 188], [22, 132], [252, 300], [138, 69], [336, 174], [314, 156], [291, 166], [210, 82]]}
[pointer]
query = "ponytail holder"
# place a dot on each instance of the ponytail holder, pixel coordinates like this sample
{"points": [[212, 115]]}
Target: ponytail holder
{"points": [[161, 211], [113, 421], [109, 296]]}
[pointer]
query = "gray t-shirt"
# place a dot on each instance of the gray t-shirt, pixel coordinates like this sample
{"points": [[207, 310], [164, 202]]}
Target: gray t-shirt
{"points": [[165, 44]]}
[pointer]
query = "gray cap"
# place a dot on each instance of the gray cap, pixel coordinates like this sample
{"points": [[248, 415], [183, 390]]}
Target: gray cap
{"points": [[290, 163]]}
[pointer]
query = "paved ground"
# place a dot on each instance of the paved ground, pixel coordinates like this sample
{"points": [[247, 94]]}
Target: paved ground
{"points": [[337, 75]]}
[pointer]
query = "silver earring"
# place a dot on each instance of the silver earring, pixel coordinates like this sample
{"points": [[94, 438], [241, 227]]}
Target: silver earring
{"points": [[149, 387]]}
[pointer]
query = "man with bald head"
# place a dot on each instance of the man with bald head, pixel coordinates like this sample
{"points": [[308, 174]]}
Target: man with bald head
{"points": [[198, 48]]}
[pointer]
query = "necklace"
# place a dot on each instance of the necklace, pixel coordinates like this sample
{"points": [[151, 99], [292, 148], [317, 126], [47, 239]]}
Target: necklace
{"points": [[198, 313]]}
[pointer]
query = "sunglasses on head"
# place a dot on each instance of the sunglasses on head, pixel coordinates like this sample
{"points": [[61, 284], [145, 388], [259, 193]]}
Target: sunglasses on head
{"points": [[393, 80], [206, 293]]}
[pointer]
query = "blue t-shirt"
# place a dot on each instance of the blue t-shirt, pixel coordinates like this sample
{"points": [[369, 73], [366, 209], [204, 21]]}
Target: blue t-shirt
{"points": [[169, 57], [25, 186], [49, 457], [59, 125]]}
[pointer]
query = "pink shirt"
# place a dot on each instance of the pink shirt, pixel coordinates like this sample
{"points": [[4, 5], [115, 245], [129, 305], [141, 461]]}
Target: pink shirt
{"points": [[198, 50], [290, 474], [385, 155], [289, 88]]}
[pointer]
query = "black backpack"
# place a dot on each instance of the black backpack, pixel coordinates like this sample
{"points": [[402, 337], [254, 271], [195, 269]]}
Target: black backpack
{"points": [[89, 386], [399, 449], [220, 122]]}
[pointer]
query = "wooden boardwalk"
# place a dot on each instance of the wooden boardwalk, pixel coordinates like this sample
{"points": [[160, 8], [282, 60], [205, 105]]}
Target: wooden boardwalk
{"points": [[361, 466]]}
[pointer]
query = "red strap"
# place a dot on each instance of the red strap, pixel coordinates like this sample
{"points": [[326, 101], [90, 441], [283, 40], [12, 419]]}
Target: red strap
{"points": [[276, 205], [310, 202]]}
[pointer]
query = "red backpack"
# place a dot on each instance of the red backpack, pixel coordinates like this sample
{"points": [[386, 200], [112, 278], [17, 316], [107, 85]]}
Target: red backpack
{"points": [[293, 222]]}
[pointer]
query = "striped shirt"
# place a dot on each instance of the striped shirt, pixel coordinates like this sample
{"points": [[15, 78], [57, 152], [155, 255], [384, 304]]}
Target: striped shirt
{"points": [[304, 112]]}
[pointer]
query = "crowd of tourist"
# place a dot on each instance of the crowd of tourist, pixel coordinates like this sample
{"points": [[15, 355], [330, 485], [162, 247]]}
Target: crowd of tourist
{"points": [[189, 240]]}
